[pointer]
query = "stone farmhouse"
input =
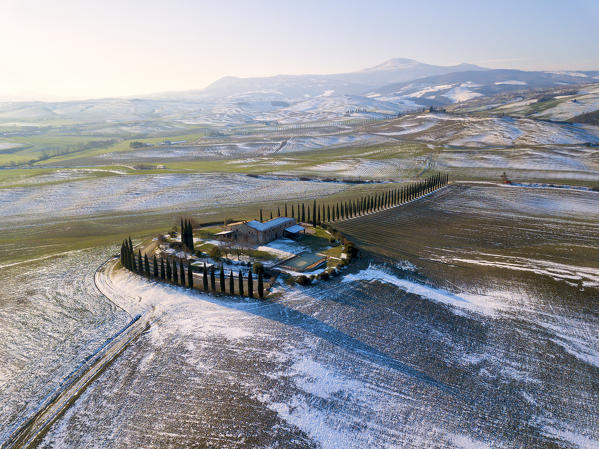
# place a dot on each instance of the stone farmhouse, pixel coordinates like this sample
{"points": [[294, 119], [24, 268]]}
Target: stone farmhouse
{"points": [[259, 233]]}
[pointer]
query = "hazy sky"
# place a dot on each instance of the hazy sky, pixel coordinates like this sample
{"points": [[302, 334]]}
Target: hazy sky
{"points": [[81, 48]]}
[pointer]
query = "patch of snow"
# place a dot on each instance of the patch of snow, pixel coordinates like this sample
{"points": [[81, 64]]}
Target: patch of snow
{"points": [[556, 271], [575, 438], [459, 94], [577, 74], [472, 302], [511, 82], [428, 90], [466, 442], [283, 248]]}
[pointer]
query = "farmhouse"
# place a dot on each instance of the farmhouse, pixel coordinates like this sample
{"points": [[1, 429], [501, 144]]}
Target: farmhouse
{"points": [[256, 232]]}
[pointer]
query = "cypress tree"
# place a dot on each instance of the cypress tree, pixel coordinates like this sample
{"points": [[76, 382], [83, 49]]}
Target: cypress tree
{"points": [[250, 285], [169, 273], [205, 278], [231, 283], [183, 232], [286, 210], [240, 283], [308, 214], [155, 264], [175, 274], [127, 256], [303, 213], [261, 216], [271, 214], [314, 213], [278, 211], [292, 210], [124, 261], [147, 265], [190, 236], [189, 276], [212, 279], [182, 272], [260, 285], [162, 270], [222, 279]]}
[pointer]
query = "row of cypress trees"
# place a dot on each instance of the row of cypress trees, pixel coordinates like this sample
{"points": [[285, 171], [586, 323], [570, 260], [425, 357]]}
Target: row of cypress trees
{"points": [[321, 213], [176, 273], [209, 282], [166, 269]]}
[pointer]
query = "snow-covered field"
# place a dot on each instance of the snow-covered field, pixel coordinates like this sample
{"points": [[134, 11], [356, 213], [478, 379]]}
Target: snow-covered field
{"points": [[461, 338], [51, 318], [316, 142], [148, 192], [490, 131]]}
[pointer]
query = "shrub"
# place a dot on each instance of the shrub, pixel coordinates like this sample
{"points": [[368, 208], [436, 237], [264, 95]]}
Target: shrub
{"points": [[303, 280], [258, 267], [215, 253], [324, 276], [290, 280], [177, 245], [350, 249]]}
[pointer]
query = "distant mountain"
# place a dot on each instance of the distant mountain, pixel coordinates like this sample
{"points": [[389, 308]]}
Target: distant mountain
{"points": [[456, 87], [392, 87], [293, 87], [281, 87], [400, 70]]}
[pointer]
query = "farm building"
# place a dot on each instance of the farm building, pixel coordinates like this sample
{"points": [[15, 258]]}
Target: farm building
{"points": [[255, 232]]}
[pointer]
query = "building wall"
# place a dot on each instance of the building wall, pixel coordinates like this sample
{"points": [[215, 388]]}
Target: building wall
{"points": [[245, 233]]}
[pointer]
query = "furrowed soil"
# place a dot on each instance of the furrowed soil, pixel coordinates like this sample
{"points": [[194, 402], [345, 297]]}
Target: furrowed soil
{"points": [[469, 321]]}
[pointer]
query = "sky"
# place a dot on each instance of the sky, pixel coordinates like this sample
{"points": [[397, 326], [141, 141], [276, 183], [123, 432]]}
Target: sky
{"points": [[70, 49]]}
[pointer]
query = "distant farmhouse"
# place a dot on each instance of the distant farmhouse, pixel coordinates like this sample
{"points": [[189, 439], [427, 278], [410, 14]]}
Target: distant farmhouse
{"points": [[258, 233]]}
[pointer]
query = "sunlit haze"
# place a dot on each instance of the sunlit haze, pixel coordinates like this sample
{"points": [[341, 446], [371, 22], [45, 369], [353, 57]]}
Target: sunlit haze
{"points": [[75, 49]]}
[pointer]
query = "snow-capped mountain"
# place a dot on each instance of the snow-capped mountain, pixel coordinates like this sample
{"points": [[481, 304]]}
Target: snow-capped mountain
{"points": [[456, 87], [303, 86]]}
